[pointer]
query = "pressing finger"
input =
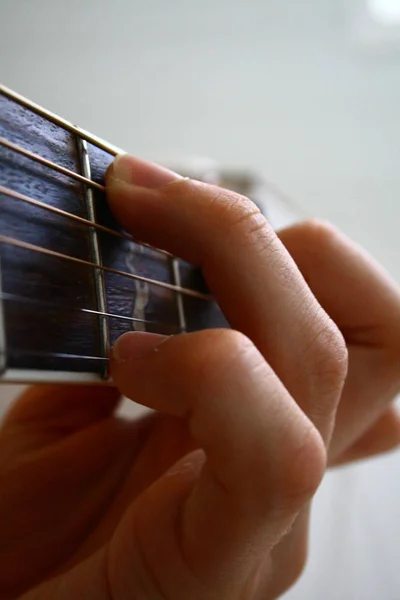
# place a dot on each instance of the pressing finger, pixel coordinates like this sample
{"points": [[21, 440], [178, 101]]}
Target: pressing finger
{"points": [[263, 457], [248, 270]]}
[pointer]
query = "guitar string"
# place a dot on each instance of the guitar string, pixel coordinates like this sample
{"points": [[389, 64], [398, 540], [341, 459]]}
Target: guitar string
{"points": [[62, 355], [62, 123], [163, 284], [81, 178], [53, 306], [107, 148], [49, 163], [81, 220]]}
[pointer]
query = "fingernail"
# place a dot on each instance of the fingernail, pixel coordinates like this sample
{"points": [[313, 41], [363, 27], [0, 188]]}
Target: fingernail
{"points": [[138, 172], [136, 344]]}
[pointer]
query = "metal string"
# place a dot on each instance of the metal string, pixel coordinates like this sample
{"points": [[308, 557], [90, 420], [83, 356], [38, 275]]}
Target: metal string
{"points": [[80, 220], [113, 150], [107, 147], [63, 123], [59, 211], [27, 246], [50, 164], [52, 305], [40, 354], [76, 218]]}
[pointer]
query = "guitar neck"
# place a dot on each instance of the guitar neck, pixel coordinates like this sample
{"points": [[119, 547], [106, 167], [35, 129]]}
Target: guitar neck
{"points": [[71, 280]]}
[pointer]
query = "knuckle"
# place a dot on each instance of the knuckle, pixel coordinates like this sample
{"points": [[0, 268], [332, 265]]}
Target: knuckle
{"points": [[228, 345], [329, 359], [319, 232], [303, 471], [297, 565], [222, 351], [237, 213], [232, 208], [287, 489], [311, 241], [293, 570], [291, 556]]}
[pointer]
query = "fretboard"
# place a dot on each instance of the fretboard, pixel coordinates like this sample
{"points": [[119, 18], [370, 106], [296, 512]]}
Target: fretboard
{"points": [[71, 280]]}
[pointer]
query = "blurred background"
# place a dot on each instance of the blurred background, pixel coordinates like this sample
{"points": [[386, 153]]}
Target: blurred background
{"points": [[305, 93]]}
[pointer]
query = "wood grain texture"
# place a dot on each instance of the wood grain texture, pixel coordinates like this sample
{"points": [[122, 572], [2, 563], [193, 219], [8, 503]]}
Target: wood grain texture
{"points": [[45, 323], [31, 330]]}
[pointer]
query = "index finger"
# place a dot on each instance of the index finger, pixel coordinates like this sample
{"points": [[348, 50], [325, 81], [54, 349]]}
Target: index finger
{"points": [[249, 271]]}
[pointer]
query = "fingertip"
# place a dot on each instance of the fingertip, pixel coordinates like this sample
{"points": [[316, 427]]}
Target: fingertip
{"points": [[135, 345], [137, 172]]}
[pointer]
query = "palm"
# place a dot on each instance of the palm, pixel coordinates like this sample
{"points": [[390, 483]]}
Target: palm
{"points": [[71, 468]]}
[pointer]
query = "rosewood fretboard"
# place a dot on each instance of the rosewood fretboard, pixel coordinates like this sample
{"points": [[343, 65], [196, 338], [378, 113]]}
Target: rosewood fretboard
{"points": [[59, 317]]}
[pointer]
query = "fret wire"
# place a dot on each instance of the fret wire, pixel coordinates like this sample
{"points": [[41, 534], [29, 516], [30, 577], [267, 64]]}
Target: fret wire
{"points": [[179, 299], [50, 164], [52, 305], [27, 246], [63, 123], [98, 274], [110, 148], [81, 220]]}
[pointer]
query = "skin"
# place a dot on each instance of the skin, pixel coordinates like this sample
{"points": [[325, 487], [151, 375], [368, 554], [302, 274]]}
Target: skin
{"points": [[207, 497]]}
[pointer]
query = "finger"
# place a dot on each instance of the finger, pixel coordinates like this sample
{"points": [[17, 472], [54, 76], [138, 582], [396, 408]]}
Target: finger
{"points": [[383, 436], [289, 557], [365, 303], [73, 406], [59, 491], [354, 289], [46, 412], [184, 537], [253, 277], [90, 576], [263, 457]]}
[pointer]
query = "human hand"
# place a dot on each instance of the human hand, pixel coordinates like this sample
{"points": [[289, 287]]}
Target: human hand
{"points": [[251, 421]]}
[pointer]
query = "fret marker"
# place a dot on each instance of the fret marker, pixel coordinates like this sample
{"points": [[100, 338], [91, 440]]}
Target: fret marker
{"points": [[142, 295]]}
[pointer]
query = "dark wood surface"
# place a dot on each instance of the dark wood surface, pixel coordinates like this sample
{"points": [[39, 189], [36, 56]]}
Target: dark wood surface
{"points": [[43, 329]]}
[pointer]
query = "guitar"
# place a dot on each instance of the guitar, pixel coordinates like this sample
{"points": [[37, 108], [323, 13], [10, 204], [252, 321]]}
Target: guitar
{"points": [[71, 279]]}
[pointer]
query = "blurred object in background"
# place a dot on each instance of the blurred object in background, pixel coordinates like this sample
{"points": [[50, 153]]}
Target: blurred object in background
{"points": [[278, 208]]}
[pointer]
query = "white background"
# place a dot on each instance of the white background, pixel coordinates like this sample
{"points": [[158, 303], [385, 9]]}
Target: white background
{"points": [[304, 91]]}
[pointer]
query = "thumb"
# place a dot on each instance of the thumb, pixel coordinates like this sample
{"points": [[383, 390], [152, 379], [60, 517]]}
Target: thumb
{"points": [[119, 570]]}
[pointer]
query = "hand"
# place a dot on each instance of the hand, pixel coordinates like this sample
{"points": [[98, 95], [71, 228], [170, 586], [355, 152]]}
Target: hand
{"points": [[195, 502]]}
